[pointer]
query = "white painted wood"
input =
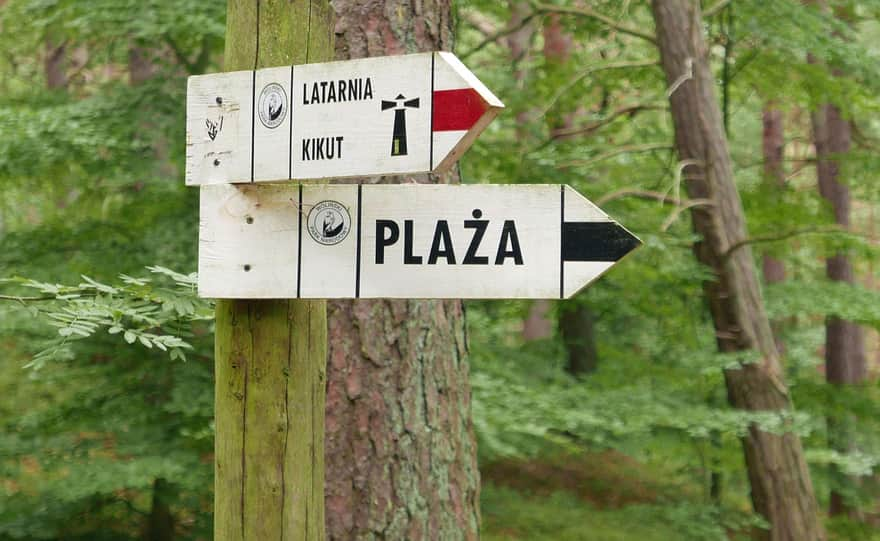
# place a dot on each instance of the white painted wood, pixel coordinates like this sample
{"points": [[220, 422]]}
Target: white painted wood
{"points": [[218, 128], [272, 124], [366, 130], [329, 270], [330, 266], [534, 209], [340, 123], [450, 73], [580, 209], [248, 236]]}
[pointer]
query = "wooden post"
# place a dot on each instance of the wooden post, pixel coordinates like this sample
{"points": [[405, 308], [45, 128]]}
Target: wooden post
{"points": [[270, 355]]}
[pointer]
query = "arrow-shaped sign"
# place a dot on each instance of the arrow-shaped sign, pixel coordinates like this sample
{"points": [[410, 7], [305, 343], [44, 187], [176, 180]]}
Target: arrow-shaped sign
{"points": [[403, 241], [374, 116]]}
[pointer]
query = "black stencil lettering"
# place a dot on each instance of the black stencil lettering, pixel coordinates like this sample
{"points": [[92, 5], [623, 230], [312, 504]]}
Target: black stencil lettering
{"points": [[306, 155], [331, 95], [382, 241], [318, 148], [305, 99], [408, 257], [479, 227], [441, 233], [368, 90], [342, 88], [508, 234], [339, 147]]}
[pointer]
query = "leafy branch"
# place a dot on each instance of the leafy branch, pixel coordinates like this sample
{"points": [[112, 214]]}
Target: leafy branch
{"points": [[148, 311]]}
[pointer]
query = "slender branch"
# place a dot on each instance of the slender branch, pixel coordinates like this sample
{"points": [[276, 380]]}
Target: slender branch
{"points": [[817, 230], [17, 298], [654, 196], [713, 10], [593, 126], [500, 34], [683, 206], [593, 69], [181, 57], [646, 147], [589, 13]]}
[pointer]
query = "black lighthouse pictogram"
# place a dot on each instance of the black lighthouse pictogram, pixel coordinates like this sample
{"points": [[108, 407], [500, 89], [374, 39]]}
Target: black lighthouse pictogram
{"points": [[398, 138]]}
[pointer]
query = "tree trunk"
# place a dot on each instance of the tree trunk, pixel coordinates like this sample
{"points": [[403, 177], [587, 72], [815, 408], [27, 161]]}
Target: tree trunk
{"points": [[781, 488], [773, 149], [140, 68], [160, 521], [401, 452], [270, 355], [576, 327], [845, 362], [55, 65], [538, 325]]}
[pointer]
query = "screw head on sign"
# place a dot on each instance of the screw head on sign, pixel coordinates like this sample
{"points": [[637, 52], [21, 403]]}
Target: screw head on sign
{"points": [[247, 268], [219, 100], [216, 162]]}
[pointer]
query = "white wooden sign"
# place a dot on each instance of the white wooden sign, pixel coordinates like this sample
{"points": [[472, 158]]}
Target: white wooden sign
{"points": [[374, 116], [403, 241]]}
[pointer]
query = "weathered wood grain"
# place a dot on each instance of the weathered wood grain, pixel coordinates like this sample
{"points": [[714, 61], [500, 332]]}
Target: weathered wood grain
{"points": [[270, 355]]}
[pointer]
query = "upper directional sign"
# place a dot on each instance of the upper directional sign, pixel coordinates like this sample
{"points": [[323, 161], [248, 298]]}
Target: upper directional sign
{"points": [[375, 116], [403, 241]]}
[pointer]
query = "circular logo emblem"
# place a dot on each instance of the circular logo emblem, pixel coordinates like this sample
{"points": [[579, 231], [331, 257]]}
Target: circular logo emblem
{"points": [[273, 105], [329, 223]]}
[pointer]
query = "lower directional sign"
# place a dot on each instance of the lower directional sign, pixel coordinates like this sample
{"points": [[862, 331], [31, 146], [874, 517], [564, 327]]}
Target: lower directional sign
{"points": [[403, 241]]}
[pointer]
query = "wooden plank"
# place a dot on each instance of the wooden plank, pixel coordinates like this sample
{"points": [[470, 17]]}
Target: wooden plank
{"points": [[372, 116], [218, 128], [269, 357], [405, 241]]}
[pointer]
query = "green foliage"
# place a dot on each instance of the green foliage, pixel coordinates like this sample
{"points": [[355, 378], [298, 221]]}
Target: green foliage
{"points": [[117, 393]]}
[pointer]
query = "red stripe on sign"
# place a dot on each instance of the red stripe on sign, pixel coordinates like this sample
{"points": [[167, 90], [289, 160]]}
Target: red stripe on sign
{"points": [[459, 109]]}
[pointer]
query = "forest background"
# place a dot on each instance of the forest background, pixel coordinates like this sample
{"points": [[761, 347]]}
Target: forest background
{"points": [[603, 417]]}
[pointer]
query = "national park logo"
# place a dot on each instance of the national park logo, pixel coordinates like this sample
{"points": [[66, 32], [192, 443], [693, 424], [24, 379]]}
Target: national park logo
{"points": [[329, 223], [272, 107]]}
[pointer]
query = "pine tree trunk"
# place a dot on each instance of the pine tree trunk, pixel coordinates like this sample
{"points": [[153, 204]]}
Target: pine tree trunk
{"points": [[780, 481], [845, 362], [400, 447]]}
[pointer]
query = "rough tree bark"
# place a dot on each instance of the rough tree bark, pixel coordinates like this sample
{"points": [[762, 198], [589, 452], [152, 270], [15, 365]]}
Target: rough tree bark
{"points": [[270, 355], [400, 447], [845, 362], [781, 488]]}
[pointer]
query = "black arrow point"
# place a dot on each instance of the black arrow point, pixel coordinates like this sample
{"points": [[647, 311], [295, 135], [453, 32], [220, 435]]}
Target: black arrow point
{"points": [[596, 241]]}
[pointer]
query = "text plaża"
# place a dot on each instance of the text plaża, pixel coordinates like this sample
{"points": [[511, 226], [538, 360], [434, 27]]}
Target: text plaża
{"points": [[320, 92], [443, 247]]}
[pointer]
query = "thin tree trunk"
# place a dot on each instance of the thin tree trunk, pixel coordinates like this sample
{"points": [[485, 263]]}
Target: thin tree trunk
{"points": [[160, 521], [773, 148], [845, 362], [538, 325], [55, 65], [401, 451], [140, 68], [576, 327], [780, 481]]}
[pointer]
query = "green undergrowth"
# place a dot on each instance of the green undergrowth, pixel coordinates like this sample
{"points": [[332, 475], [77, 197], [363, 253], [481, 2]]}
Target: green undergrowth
{"points": [[604, 496]]}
